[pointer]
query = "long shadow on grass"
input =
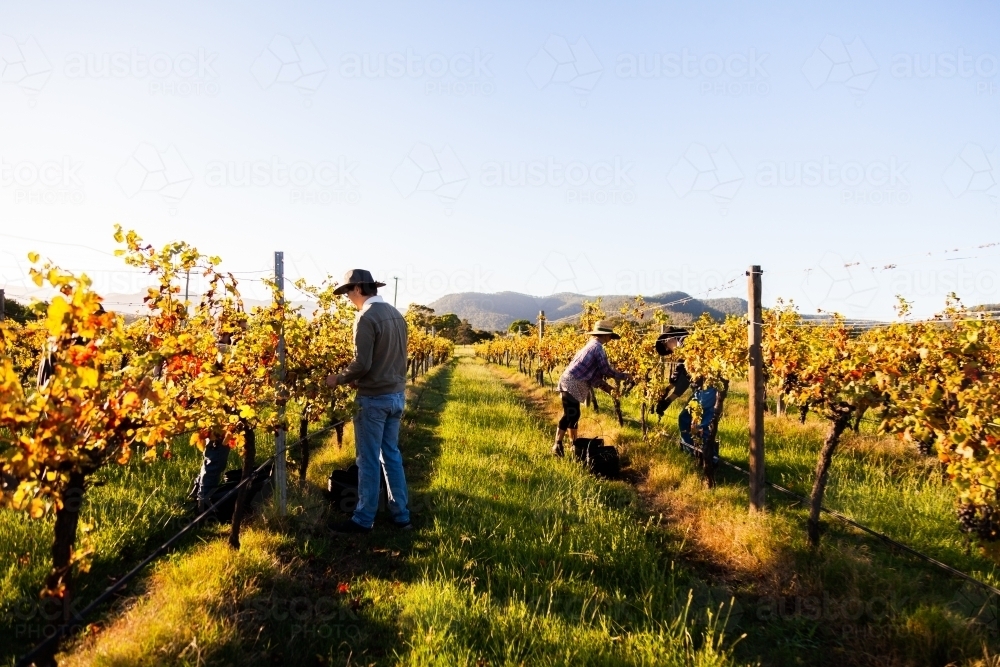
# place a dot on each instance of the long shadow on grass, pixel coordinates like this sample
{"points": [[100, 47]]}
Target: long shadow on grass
{"points": [[310, 613], [791, 462], [541, 532], [141, 504], [855, 599], [24, 619]]}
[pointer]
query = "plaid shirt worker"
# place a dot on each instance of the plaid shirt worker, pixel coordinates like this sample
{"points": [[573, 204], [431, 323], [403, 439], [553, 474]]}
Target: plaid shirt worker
{"points": [[588, 369]]}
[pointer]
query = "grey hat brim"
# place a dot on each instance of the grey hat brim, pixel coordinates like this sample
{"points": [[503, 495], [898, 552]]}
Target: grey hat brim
{"points": [[613, 335], [347, 287]]}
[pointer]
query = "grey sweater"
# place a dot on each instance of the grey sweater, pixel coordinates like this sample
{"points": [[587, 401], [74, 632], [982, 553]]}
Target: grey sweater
{"points": [[379, 365]]}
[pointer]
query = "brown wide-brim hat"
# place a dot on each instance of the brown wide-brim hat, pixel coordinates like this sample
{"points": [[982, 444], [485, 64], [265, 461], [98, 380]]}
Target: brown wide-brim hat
{"points": [[356, 277], [603, 328]]}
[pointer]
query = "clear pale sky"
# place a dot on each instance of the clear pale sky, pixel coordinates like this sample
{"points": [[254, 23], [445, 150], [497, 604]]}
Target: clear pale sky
{"points": [[534, 147]]}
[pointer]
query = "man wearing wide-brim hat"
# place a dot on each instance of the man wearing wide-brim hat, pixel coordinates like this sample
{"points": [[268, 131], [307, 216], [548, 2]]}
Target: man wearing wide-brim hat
{"points": [[588, 369], [379, 373]]}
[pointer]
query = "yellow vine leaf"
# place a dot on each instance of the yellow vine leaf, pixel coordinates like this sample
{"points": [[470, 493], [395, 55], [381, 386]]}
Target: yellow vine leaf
{"points": [[36, 508]]}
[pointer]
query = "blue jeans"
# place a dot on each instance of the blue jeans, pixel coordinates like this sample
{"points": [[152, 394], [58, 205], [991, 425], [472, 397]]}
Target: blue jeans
{"points": [[212, 468], [376, 441], [685, 421]]}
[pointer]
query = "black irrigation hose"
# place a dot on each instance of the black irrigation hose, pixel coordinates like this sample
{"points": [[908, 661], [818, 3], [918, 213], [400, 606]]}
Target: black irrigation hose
{"points": [[78, 617], [874, 533]]}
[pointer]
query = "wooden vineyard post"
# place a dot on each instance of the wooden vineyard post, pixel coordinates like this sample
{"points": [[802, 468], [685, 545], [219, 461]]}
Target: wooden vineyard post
{"points": [[280, 472], [756, 390], [426, 361], [540, 374], [664, 368]]}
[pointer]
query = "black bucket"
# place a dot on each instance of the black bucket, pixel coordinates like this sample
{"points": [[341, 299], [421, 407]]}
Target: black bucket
{"points": [[260, 488], [600, 459], [342, 489]]}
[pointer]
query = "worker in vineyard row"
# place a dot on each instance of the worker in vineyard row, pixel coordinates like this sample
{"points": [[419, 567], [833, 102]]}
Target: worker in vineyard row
{"points": [[378, 371], [216, 454], [679, 380], [46, 365], [693, 436], [588, 369]]}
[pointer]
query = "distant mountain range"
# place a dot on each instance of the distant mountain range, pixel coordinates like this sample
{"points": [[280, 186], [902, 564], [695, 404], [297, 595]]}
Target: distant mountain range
{"points": [[497, 311]]}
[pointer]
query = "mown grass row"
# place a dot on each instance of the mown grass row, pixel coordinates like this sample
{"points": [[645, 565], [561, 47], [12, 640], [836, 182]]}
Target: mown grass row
{"points": [[516, 559], [125, 510], [854, 601], [880, 481], [128, 510], [529, 560], [521, 558]]}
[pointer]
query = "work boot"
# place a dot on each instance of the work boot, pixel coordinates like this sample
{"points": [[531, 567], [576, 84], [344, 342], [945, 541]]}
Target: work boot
{"points": [[557, 449]]}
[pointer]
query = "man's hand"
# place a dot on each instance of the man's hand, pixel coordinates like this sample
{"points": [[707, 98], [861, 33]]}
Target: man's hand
{"points": [[331, 380]]}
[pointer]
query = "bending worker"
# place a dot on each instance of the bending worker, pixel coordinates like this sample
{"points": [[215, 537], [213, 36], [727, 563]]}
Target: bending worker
{"points": [[588, 369]]}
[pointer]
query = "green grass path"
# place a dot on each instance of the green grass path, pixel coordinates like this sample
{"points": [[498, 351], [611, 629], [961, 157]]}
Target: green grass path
{"points": [[525, 559], [516, 559]]}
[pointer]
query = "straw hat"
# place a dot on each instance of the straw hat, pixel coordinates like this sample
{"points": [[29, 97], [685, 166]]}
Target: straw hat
{"points": [[603, 328]]}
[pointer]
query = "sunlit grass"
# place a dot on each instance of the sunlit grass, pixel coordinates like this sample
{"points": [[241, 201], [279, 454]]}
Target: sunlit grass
{"points": [[516, 559], [914, 613], [191, 612], [529, 559], [520, 558], [128, 510]]}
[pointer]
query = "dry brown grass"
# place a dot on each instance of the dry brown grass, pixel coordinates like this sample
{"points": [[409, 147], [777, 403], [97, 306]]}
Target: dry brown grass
{"points": [[735, 547], [761, 556]]}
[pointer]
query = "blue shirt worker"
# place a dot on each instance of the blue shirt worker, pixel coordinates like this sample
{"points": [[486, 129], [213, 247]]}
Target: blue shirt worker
{"points": [[378, 371]]}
